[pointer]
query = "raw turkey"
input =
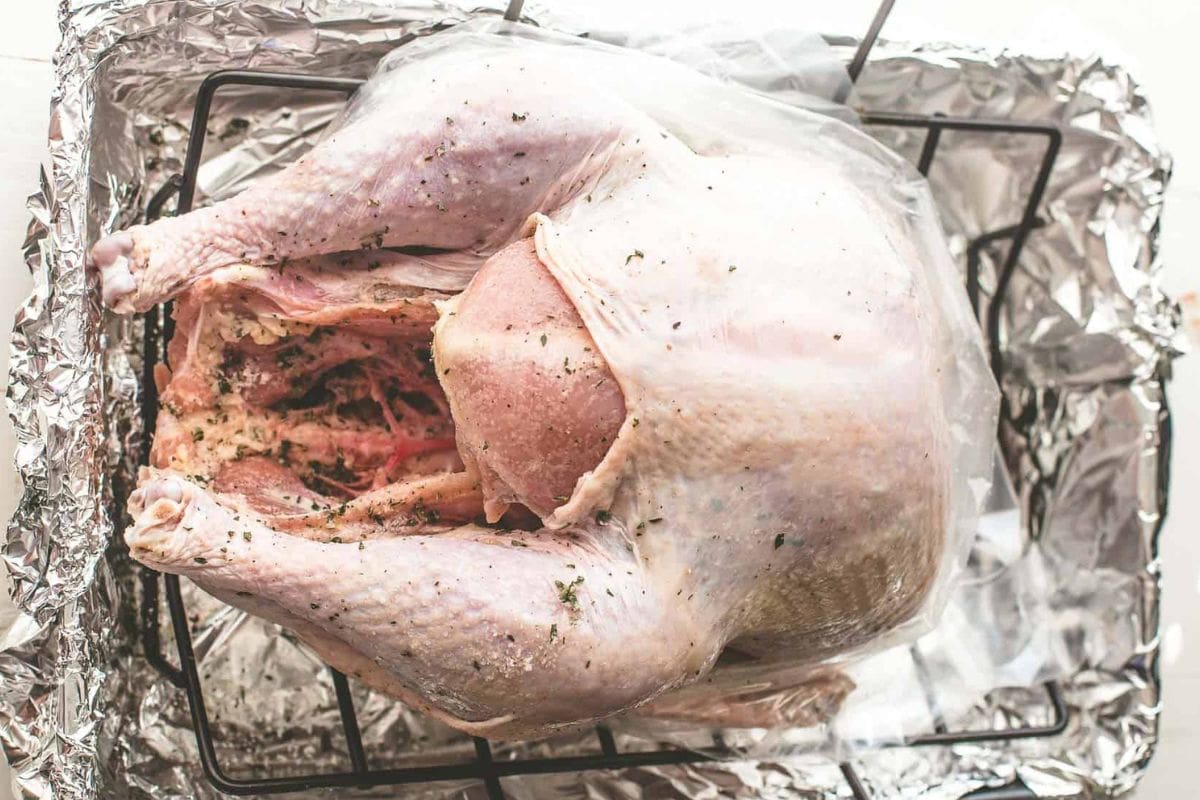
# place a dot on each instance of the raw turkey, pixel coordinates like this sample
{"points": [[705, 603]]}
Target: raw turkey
{"points": [[553, 377]]}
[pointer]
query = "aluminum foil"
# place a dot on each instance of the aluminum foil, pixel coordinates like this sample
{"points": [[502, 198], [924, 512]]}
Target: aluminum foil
{"points": [[1064, 573]]}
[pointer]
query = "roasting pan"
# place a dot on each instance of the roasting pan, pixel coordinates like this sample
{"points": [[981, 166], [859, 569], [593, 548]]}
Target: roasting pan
{"points": [[1054, 718]]}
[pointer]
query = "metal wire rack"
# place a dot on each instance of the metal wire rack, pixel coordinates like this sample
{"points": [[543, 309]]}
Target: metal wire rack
{"points": [[483, 767]]}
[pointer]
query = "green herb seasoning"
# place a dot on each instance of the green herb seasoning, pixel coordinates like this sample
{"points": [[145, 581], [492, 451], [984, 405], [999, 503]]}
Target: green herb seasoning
{"points": [[567, 592], [424, 514]]}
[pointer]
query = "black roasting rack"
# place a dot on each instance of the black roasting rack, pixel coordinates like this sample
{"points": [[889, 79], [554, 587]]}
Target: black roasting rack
{"points": [[484, 768]]}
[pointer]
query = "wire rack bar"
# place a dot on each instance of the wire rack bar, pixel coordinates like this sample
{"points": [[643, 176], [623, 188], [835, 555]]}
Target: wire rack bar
{"points": [[857, 789], [151, 641], [513, 12], [974, 250], [1016, 790], [608, 745], [929, 150], [1029, 218], [345, 701], [1060, 718], [484, 767], [865, 46], [241, 77]]}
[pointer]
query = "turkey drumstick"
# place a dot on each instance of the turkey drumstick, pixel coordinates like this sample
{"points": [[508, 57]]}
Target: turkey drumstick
{"points": [[456, 162]]}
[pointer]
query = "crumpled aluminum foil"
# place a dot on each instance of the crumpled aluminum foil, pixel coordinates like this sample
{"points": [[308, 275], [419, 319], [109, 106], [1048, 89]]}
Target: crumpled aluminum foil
{"points": [[1069, 591]]}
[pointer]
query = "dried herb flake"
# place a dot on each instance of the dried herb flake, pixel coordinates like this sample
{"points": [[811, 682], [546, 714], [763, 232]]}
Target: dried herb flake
{"points": [[566, 592]]}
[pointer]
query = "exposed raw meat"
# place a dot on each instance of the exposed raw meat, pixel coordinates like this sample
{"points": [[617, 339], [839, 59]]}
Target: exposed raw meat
{"points": [[695, 389], [531, 445]]}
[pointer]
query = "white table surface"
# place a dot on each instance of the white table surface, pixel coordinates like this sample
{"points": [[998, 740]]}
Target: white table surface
{"points": [[1153, 38]]}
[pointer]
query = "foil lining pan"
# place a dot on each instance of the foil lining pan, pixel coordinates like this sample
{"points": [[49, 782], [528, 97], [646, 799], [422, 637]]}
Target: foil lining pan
{"points": [[1065, 569]]}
